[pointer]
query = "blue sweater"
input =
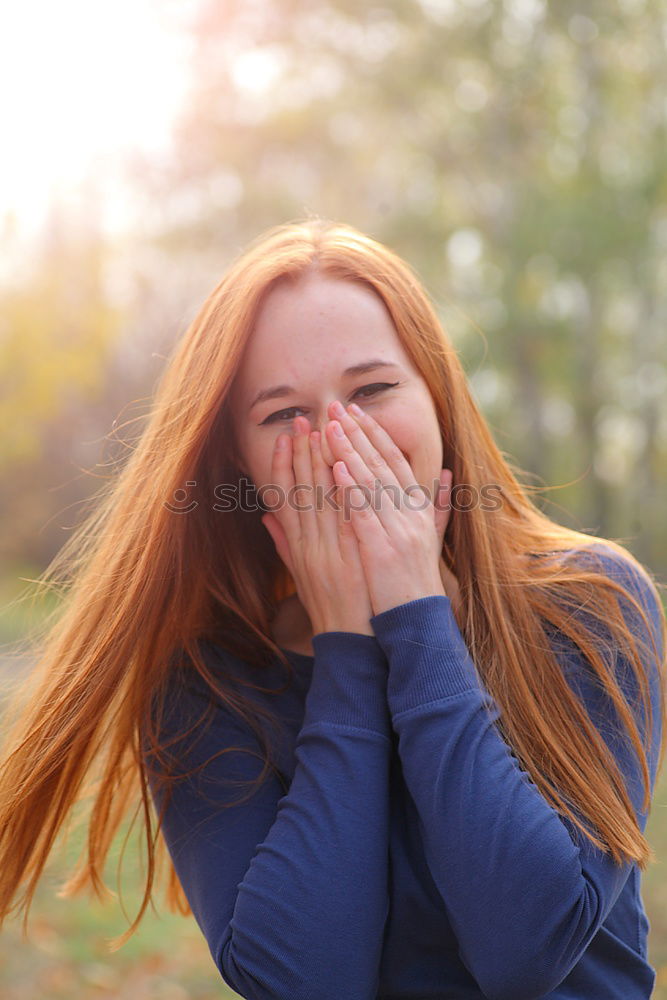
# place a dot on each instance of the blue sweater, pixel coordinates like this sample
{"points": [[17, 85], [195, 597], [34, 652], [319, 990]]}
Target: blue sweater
{"points": [[411, 857]]}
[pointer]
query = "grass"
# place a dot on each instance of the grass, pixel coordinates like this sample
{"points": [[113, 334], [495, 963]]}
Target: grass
{"points": [[67, 951], [22, 605], [654, 887]]}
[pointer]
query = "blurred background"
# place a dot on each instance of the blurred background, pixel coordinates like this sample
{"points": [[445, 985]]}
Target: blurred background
{"points": [[513, 151]]}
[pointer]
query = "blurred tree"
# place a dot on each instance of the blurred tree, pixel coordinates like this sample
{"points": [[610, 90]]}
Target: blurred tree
{"points": [[83, 335], [515, 153], [58, 328]]}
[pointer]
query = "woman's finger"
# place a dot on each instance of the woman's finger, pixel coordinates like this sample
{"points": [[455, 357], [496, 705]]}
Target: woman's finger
{"points": [[383, 499], [378, 460], [282, 479], [381, 440], [325, 491], [303, 498], [441, 503], [357, 511]]}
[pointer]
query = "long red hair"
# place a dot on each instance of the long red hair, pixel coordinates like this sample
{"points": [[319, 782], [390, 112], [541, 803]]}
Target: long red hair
{"points": [[141, 584]]}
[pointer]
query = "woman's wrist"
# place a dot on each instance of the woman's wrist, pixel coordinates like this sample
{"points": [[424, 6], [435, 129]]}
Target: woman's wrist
{"points": [[340, 625]]}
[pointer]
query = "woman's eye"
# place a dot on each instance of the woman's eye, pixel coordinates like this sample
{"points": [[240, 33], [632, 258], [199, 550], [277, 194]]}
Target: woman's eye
{"points": [[280, 415], [370, 390], [365, 392]]}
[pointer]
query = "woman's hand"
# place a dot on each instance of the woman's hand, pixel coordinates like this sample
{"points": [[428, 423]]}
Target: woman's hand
{"points": [[400, 534], [318, 547]]}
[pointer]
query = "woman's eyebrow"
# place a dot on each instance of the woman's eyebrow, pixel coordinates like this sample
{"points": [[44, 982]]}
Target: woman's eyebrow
{"points": [[277, 391]]}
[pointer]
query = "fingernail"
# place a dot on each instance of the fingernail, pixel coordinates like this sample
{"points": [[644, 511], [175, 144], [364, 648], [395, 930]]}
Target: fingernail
{"points": [[281, 443], [337, 408], [356, 410], [337, 429]]}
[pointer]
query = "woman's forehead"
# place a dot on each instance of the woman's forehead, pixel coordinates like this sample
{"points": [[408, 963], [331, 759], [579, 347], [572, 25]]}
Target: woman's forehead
{"points": [[318, 299], [318, 323]]}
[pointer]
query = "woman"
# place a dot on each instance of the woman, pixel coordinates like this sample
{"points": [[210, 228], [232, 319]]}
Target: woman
{"points": [[399, 730]]}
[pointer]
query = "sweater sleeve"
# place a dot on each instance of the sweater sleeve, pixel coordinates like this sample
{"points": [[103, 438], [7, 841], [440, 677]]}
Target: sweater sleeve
{"points": [[290, 890], [524, 892]]}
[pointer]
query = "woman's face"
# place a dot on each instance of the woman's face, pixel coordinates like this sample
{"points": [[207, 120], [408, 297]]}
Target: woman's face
{"points": [[307, 338]]}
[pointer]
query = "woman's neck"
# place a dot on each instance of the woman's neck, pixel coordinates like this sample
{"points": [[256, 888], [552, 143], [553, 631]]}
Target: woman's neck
{"points": [[291, 627]]}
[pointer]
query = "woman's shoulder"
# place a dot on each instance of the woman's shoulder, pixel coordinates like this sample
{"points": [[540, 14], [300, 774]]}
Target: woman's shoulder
{"points": [[611, 560], [226, 668], [265, 682], [633, 592], [635, 595], [615, 562], [230, 695]]}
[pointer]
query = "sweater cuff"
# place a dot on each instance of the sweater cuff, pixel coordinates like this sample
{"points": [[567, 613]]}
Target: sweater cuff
{"points": [[428, 657], [349, 682]]}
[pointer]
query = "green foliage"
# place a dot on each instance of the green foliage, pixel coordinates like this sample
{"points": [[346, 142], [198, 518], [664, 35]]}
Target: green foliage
{"points": [[58, 331], [66, 952], [515, 153]]}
